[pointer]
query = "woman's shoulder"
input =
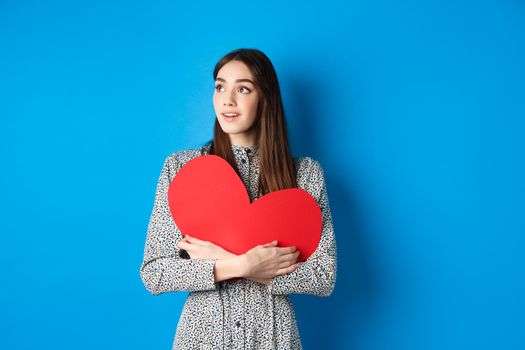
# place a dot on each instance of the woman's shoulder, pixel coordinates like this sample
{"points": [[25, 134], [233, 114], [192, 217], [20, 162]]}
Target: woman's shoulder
{"points": [[307, 165], [176, 160], [184, 155]]}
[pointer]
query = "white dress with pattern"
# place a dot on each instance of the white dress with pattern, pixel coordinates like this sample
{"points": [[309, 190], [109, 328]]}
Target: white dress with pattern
{"points": [[235, 314]]}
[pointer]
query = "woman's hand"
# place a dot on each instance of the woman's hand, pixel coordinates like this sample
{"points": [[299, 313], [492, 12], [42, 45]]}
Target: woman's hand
{"points": [[261, 262], [199, 249], [266, 261]]}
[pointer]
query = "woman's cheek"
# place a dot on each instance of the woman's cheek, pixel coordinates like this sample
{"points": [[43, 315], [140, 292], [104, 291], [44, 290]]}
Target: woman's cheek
{"points": [[253, 106]]}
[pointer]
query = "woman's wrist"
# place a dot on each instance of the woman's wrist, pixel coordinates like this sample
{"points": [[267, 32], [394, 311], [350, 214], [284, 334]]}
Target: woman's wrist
{"points": [[232, 267], [243, 265], [235, 266], [228, 255]]}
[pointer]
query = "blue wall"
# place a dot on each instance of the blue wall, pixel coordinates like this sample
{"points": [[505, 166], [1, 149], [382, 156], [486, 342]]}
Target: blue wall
{"points": [[415, 110]]}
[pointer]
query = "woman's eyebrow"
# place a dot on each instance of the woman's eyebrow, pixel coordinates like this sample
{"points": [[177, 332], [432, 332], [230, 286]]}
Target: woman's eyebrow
{"points": [[238, 80]]}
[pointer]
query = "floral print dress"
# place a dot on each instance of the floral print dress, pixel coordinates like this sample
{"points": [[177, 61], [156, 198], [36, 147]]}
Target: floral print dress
{"points": [[235, 314]]}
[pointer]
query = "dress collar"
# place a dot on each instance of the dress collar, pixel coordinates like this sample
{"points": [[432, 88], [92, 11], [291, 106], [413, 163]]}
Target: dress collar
{"points": [[237, 150], [244, 149]]}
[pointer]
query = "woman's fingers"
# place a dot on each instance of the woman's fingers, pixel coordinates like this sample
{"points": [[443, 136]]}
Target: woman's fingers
{"points": [[290, 256], [271, 244], [285, 270], [287, 250], [195, 240], [280, 250], [192, 239], [285, 265], [184, 245], [288, 260]]}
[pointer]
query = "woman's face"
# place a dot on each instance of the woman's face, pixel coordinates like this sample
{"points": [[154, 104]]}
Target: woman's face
{"points": [[235, 93]]}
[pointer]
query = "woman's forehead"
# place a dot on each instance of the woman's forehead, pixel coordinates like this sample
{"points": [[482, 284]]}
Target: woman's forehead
{"points": [[234, 71]]}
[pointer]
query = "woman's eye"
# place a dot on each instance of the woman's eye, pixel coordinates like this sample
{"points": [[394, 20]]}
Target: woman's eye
{"points": [[243, 90]]}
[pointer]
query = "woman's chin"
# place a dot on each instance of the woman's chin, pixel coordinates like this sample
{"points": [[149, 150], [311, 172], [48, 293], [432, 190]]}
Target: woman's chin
{"points": [[232, 131]]}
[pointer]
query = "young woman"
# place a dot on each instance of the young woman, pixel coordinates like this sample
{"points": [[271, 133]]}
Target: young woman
{"points": [[252, 311]]}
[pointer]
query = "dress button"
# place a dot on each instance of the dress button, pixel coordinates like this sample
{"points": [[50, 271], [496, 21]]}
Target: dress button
{"points": [[243, 160], [238, 323]]}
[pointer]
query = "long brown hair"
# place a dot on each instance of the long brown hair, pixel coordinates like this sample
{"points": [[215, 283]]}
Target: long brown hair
{"points": [[277, 169]]}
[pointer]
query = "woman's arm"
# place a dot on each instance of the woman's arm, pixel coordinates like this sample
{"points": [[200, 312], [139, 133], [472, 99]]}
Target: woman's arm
{"points": [[162, 269], [317, 275], [258, 261], [228, 264], [226, 269]]}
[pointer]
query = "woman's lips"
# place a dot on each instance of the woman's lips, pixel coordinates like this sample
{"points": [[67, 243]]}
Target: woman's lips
{"points": [[229, 118]]}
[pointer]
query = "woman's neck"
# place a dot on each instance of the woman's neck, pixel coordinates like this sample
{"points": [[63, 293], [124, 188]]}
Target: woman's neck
{"points": [[242, 140]]}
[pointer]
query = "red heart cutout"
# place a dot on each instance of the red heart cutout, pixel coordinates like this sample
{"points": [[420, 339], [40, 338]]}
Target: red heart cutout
{"points": [[209, 201]]}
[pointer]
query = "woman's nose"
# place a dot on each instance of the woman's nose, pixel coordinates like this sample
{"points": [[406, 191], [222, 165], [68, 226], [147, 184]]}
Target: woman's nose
{"points": [[228, 99]]}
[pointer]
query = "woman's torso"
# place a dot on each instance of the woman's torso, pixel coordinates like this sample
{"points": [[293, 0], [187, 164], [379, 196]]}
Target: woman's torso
{"points": [[241, 314]]}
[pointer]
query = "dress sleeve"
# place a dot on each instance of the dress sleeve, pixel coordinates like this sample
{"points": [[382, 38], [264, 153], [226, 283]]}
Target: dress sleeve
{"points": [[316, 275], [163, 270]]}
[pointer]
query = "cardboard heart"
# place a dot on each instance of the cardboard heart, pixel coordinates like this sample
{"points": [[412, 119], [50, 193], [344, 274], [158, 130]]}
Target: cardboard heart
{"points": [[209, 201]]}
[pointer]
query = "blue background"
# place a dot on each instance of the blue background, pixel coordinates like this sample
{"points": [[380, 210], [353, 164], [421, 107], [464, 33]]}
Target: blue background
{"points": [[414, 109]]}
